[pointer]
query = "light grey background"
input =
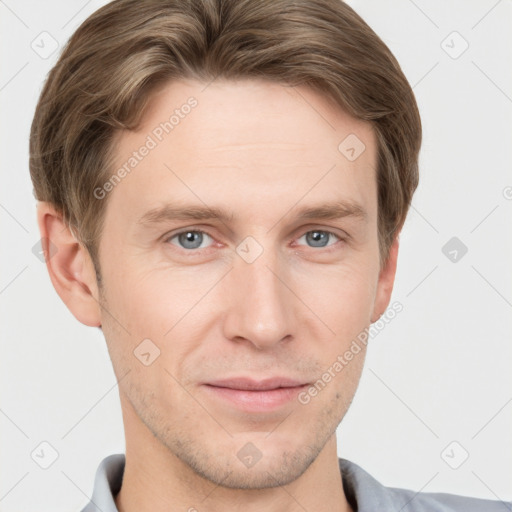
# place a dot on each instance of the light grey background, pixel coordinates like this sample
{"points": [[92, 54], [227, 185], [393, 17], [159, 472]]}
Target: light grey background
{"points": [[437, 382]]}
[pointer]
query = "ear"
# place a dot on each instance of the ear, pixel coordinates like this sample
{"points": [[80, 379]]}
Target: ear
{"points": [[386, 282], [69, 265]]}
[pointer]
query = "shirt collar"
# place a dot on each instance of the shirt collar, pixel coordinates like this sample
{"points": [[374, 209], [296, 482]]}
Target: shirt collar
{"points": [[107, 484]]}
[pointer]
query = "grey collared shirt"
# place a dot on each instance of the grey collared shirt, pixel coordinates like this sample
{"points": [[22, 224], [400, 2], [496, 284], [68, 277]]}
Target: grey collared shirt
{"points": [[364, 493]]}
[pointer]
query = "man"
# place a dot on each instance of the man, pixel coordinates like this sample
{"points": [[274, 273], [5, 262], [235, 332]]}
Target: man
{"points": [[224, 184]]}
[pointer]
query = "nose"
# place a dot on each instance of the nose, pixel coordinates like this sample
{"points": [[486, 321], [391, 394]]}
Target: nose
{"points": [[260, 306]]}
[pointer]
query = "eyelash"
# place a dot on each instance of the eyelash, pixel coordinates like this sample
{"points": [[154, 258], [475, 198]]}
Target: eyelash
{"points": [[199, 251]]}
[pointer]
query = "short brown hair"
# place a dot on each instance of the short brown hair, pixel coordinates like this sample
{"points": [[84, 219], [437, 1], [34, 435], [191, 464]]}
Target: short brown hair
{"points": [[104, 78]]}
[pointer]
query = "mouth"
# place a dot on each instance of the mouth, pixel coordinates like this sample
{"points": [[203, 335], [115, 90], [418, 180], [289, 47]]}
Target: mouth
{"points": [[253, 396]]}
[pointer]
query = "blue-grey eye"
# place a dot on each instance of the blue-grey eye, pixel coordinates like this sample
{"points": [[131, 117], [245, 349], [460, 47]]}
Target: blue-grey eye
{"points": [[318, 238], [190, 239]]}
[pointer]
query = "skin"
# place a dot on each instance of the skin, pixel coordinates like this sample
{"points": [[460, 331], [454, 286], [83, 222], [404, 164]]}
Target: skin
{"points": [[262, 151]]}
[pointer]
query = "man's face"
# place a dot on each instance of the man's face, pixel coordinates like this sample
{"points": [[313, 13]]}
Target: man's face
{"points": [[263, 297]]}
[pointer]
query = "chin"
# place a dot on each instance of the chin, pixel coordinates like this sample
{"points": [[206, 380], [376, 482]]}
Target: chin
{"points": [[268, 472]]}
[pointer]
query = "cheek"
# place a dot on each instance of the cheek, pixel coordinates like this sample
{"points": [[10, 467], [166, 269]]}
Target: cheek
{"points": [[151, 301], [341, 296]]}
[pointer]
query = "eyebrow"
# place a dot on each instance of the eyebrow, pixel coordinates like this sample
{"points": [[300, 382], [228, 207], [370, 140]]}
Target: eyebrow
{"points": [[327, 211]]}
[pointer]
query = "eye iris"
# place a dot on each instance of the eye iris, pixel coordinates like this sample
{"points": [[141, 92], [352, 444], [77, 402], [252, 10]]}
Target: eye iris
{"points": [[319, 238], [190, 239]]}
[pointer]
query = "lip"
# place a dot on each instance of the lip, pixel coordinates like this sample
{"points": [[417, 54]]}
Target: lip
{"points": [[252, 395]]}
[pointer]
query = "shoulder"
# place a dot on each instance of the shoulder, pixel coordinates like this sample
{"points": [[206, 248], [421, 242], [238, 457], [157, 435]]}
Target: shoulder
{"points": [[437, 502], [365, 494]]}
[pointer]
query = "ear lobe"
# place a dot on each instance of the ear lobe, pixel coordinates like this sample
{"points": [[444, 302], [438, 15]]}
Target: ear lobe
{"points": [[69, 266], [386, 282]]}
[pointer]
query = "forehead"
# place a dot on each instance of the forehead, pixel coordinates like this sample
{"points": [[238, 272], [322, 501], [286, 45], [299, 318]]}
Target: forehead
{"points": [[248, 112], [236, 139]]}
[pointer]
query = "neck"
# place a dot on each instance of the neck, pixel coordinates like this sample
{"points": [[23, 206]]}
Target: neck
{"points": [[156, 480]]}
